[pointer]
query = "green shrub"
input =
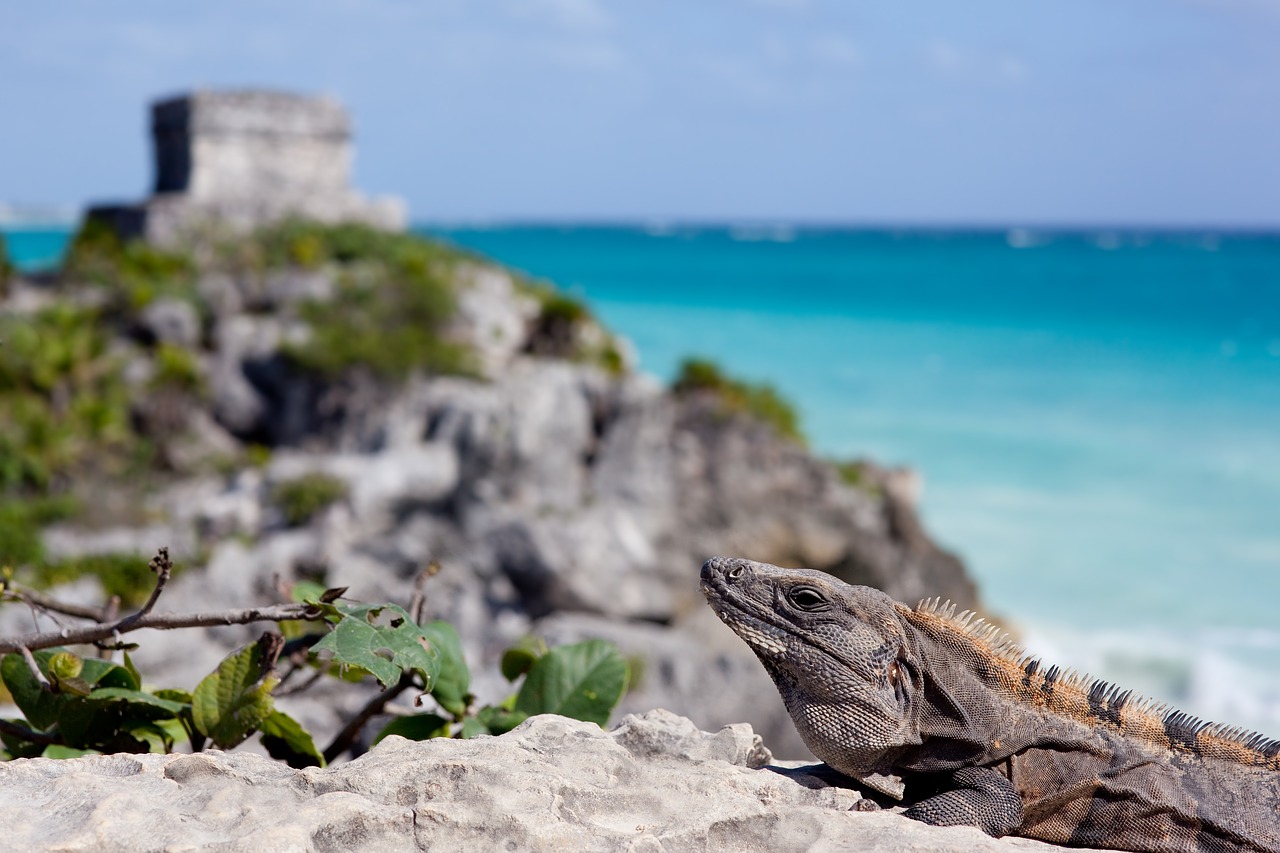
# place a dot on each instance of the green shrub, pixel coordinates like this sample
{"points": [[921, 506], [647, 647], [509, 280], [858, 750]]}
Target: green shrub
{"points": [[63, 401], [77, 704], [7, 271], [20, 524], [557, 330], [302, 498], [177, 369], [308, 244], [134, 273], [387, 316], [859, 474], [758, 400]]}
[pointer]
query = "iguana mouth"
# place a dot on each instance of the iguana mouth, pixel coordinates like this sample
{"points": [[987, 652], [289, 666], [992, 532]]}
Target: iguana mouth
{"points": [[761, 634]]}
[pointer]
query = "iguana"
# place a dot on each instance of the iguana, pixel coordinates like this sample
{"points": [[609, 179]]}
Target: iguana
{"points": [[983, 734]]}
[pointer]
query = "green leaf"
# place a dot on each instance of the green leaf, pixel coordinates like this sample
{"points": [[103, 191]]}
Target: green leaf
{"points": [[584, 681], [517, 660], [452, 687], [38, 705], [41, 706], [105, 725], [101, 673], [167, 707], [55, 750], [72, 686], [173, 695], [156, 737], [133, 671], [305, 590], [234, 700], [384, 640], [286, 740], [499, 720], [472, 727], [175, 728], [416, 727]]}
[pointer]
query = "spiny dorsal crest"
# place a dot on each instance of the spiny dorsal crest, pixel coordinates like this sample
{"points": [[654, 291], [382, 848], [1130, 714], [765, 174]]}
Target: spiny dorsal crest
{"points": [[1092, 701]]}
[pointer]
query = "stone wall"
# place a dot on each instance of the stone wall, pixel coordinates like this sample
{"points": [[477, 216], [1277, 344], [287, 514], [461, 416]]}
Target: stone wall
{"points": [[235, 160]]}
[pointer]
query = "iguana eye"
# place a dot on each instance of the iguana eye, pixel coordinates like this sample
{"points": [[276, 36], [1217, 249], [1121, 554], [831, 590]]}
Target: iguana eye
{"points": [[807, 598]]}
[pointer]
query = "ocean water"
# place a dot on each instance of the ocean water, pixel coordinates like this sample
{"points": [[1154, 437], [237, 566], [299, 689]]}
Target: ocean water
{"points": [[36, 247], [1096, 415]]}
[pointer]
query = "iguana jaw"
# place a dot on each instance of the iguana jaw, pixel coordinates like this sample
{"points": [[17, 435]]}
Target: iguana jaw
{"points": [[764, 638]]}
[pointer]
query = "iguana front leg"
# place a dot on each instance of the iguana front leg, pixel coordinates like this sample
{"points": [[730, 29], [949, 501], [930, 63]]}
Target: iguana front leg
{"points": [[975, 796]]}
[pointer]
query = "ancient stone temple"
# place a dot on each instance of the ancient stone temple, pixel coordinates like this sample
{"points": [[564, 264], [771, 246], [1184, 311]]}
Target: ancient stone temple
{"points": [[229, 161]]}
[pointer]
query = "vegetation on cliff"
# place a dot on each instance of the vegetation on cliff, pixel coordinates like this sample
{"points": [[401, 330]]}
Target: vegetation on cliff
{"points": [[65, 420], [738, 397], [566, 328], [6, 269]]}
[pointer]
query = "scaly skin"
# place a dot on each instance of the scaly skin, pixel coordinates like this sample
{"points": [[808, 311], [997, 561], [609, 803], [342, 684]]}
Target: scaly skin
{"points": [[986, 736]]}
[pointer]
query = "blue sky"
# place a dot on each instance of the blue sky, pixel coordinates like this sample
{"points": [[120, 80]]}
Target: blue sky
{"points": [[983, 112]]}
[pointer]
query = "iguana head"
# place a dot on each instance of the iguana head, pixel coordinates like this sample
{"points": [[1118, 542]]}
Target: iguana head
{"points": [[837, 653]]}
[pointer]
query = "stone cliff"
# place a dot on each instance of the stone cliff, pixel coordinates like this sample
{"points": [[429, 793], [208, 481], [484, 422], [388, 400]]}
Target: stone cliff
{"points": [[344, 405], [564, 496]]}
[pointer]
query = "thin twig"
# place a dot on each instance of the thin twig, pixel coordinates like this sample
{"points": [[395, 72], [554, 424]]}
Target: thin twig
{"points": [[418, 603], [39, 599], [112, 612], [34, 667], [315, 676], [163, 567], [160, 622], [29, 735], [345, 738], [144, 618]]}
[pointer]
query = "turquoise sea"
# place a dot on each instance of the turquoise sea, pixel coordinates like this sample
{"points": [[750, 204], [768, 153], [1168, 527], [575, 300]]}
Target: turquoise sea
{"points": [[1096, 414]]}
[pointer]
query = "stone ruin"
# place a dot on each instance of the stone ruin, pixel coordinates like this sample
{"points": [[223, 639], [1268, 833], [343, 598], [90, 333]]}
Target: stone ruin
{"points": [[230, 161]]}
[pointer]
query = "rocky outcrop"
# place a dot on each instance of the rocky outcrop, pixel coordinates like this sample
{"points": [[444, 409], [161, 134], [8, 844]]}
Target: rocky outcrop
{"points": [[653, 783], [564, 494], [561, 498]]}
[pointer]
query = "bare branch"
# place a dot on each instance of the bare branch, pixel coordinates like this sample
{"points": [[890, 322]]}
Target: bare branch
{"points": [[144, 618], [160, 622], [163, 567], [345, 738]]}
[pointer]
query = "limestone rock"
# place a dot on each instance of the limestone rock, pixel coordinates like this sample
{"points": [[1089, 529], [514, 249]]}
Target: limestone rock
{"points": [[492, 317], [654, 783], [171, 321]]}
